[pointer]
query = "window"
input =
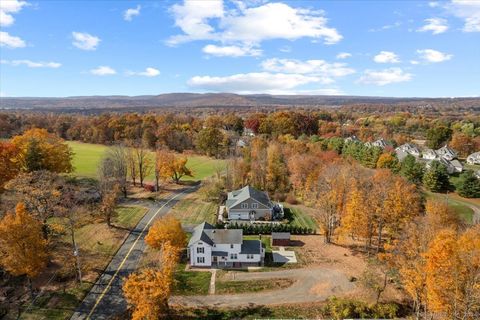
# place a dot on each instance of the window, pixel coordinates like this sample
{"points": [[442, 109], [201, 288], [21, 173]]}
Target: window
{"points": [[200, 250], [244, 205], [200, 259], [233, 256], [249, 256], [231, 246], [254, 205]]}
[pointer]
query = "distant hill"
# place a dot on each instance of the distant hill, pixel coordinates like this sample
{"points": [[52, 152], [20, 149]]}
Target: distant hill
{"points": [[209, 100]]}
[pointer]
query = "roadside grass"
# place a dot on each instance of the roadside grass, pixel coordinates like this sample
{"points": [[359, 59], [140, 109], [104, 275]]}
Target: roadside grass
{"points": [[87, 157], [97, 245], [188, 283], [192, 210], [234, 287], [459, 206]]}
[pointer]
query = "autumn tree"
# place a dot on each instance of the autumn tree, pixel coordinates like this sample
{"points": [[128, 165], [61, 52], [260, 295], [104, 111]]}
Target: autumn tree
{"points": [[276, 171], [257, 160], [171, 166], [463, 144], [388, 161], [113, 170], [41, 150], [108, 205], [143, 160], [437, 136], [212, 141], [41, 193], [166, 229], [23, 251], [9, 164]]}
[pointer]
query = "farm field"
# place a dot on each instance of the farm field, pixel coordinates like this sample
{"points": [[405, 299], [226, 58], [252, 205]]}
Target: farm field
{"points": [[192, 210], [97, 245], [87, 157]]}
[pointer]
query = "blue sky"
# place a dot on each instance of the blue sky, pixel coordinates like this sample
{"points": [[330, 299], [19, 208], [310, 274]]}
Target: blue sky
{"points": [[374, 48]]}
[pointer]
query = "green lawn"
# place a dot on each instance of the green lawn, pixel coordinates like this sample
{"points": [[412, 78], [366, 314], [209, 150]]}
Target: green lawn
{"points": [[191, 282], [458, 206], [299, 218], [87, 158], [192, 210], [234, 287]]}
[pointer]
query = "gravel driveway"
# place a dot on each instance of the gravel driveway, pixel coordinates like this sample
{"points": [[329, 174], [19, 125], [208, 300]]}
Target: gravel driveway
{"points": [[311, 285]]}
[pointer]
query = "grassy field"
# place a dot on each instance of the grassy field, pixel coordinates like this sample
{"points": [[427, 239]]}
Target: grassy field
{"points": [[87, 158], [459, 206], [97, 245], [191, 282], [192, 210]]}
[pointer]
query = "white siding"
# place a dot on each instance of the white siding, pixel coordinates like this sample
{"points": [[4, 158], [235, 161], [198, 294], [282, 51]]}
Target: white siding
{"points": [[207, 254]]}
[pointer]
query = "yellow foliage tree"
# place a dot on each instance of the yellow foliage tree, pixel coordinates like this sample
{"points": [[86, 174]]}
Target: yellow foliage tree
{"points": [[23, 251], [166, 229], [168, 165], [40, 149]]}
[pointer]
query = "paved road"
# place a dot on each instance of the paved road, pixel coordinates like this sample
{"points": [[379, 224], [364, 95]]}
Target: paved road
{"points": [[311, 285], [105, 299]]}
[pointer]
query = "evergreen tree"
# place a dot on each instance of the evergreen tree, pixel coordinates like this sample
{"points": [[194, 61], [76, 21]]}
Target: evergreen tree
{"points": [[412, 170], [33, 157], [436, 178], [468, 185]]}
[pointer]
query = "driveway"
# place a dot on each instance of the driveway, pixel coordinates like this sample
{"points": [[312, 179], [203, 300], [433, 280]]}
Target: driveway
{"points": [[311, 285], [105, 299]]}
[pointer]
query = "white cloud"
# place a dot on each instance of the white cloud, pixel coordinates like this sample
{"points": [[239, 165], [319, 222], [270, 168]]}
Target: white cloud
{"points": [[32, 64], [6, 40], [414, 62], [103, 71], [384, 77], [433, 4], [434, 56], [436, 25], [252, 82], [343, 55], [231, 51], [7, 8], [131, 12], [326, 72], [469, 10], [386, 57], [85, 41], [207, 20], [149, 72], [386, 27]]}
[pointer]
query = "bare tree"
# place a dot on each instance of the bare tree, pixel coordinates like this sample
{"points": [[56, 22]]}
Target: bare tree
{"points": [[113, 170], [143, 160]]}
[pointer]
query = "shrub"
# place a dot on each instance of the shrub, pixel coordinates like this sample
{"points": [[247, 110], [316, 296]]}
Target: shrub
{"points": [[149, 187], [291, 199]]}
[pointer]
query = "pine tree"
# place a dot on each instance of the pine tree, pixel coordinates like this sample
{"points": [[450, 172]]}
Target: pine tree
{"points": [[468, 185], [436, 178]]}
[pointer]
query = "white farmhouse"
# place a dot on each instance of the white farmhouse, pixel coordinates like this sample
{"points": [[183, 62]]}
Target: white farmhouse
{"points": [[221, 248], [474, 158]]}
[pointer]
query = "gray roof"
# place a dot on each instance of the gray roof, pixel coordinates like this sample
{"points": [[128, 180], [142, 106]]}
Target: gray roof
{"points": [[207, 233], [225, 236], [237, 196], [251, 247], [280, 235]]}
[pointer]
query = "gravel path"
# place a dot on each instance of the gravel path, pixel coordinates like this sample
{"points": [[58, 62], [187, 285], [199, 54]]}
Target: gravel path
{"points": [[311, 285]]}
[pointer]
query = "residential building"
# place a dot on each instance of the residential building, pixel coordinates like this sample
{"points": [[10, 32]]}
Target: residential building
{"points": [[446, 153], [429, 154], [221, 248], [251, 204], [409, 149], [474, 158]]}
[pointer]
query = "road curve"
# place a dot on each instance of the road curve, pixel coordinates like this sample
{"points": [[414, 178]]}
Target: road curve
{"points": [[105, 299]]}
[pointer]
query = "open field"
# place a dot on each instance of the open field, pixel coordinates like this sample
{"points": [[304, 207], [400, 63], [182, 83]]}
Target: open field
{"points": [[97, 245], [192, 210], [87, 157]]}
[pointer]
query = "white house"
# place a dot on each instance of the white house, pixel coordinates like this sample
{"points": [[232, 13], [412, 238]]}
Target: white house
{"points": [[474, 158], [221, 248], [410, 149], [451, 166], [351, 139], [429, 154], [381, 143], [447, 153]]}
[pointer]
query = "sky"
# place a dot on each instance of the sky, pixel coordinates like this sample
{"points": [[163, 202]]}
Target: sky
{"points": [[365, 48]]}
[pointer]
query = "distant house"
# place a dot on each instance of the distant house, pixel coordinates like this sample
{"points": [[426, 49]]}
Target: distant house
{"points": [[248, 132], [241, 143], [251, 204], [429, 154], [457, 166], [281, 239], [474, 158], [477, 174], [446, 153], [451, 166], [400, 154], [409, 149], [351, 139], [380, 143], [210, 247]]}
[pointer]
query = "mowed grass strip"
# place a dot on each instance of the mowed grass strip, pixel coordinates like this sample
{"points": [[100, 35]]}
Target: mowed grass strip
{"points": [[235, 287], [301, 219], [187, 283], [87, 157]]}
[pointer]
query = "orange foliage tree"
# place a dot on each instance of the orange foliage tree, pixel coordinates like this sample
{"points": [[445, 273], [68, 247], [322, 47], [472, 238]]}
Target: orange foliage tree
{"points": [[166, 229], [9, 164], [171, 166]]}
